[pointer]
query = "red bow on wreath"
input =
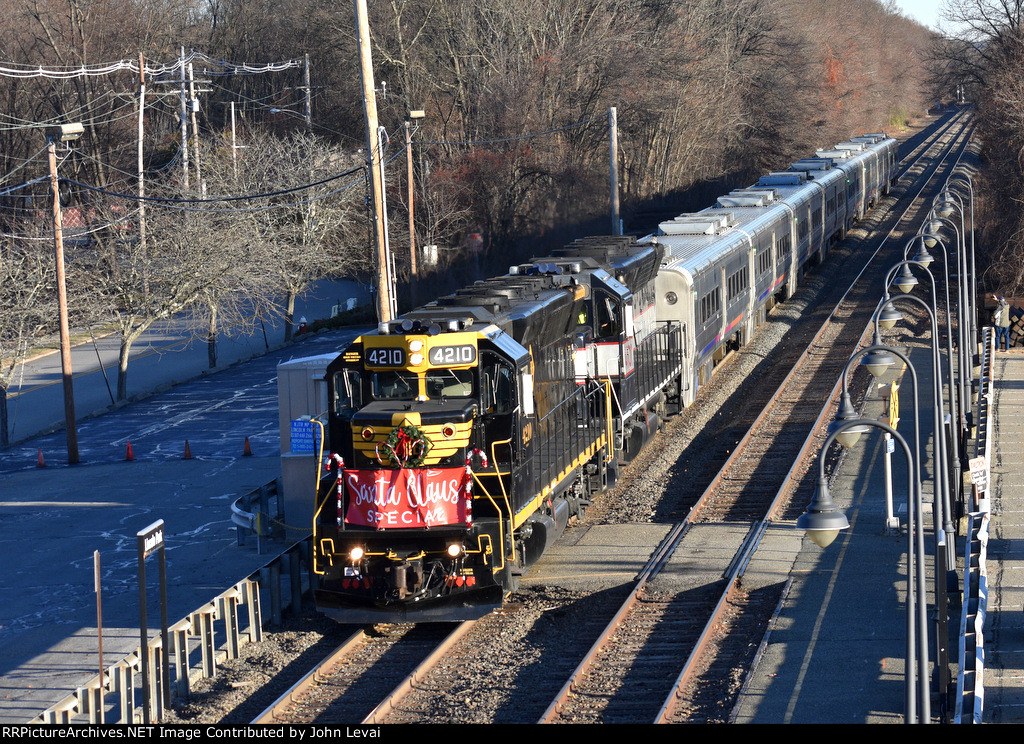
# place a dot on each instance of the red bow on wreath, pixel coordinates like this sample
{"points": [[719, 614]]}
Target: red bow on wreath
{"points": [[406, 447]]}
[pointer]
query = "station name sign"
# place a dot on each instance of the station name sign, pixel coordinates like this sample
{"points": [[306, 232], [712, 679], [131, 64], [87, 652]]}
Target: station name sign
{"points": [[151, 539]]}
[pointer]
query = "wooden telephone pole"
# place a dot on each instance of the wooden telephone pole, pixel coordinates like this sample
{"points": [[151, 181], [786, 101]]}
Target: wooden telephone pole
{"points": [[373, 155]]}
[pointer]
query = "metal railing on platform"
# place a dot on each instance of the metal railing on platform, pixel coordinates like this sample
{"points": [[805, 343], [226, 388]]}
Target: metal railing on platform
{"points": [[200, 641], [970, 686]]}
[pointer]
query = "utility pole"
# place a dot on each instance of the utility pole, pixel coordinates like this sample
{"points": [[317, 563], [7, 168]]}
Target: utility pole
{"points": [[373, 155], [62, 296], [309, 96], [184, 123], [234, 147], [193, 105], [613, 137], [142, 181], [413, 271]]}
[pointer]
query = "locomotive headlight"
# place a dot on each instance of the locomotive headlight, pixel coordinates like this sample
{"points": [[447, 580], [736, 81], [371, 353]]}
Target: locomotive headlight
{"points": [[455, 550], [416, 359], [356, 554], [416, 345], [671, 298]]}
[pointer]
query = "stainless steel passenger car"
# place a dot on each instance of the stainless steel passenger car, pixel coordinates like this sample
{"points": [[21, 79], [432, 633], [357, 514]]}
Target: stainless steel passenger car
{"points": [[726, 265]]}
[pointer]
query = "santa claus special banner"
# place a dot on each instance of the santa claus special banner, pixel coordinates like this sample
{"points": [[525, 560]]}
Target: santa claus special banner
{"points": [[407, 497]]}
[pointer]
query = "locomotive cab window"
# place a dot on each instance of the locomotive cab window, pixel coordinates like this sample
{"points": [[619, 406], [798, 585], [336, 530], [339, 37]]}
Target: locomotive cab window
{"points": [[498, 389], [348, 390], [449, 383], [607, 316], [397, 385]]}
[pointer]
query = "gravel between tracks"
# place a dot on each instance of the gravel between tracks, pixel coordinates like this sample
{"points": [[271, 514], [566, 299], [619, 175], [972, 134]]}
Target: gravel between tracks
{"points": [[541, 629]]}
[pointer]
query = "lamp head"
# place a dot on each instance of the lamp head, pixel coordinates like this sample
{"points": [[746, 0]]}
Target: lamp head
{"points": [[66, 132], [906, 281], [878, 361], [889, 316], [822, 520], [849, 435], [922, 256]]}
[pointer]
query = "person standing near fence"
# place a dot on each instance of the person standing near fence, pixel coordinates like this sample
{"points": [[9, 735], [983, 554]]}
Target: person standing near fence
{"points": [[1001, 321]]}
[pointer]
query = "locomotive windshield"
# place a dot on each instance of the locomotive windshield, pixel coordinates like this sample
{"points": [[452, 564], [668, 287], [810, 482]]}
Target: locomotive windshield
{"points": [[438, 383], [397, 385]]}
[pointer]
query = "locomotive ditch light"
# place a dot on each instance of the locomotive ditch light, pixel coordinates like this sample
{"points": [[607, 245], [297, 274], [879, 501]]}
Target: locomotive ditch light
{"points": [[356, 554], [456, 550], [822, 521]]}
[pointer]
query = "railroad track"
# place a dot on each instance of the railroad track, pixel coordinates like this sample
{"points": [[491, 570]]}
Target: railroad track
{"points": [[704, 653], [378, 663], [692, 618]]}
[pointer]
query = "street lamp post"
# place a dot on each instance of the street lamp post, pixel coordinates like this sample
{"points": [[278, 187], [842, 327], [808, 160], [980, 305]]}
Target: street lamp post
{"points": [[63, 133], [412, 116], [964, 319], [822, 521], [950, 185], [943, 505]]}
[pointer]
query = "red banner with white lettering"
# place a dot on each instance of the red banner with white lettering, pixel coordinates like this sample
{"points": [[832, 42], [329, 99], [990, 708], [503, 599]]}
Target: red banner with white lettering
{"points": [[407, 497]]}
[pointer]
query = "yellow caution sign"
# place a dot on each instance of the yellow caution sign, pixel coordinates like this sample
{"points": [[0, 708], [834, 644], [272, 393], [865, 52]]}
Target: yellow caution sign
{"points": [[891, 391]]}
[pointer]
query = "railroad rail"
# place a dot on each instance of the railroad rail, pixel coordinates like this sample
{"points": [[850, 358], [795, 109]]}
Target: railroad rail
{"points": [[756, 480]]}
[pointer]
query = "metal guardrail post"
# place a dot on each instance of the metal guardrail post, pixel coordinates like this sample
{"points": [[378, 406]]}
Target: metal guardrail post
{"points": [[156, 697], [179, 639], [251, 597], [124, 685], [203, 620], [274, 587]]}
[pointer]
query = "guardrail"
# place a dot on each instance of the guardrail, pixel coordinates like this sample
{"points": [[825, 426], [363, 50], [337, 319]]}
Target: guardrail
{"points": [[970, 685], [199, 642], [251, 514]]}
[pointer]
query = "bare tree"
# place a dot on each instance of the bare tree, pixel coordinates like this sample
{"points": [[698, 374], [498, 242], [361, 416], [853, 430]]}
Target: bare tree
{"points": [[309, 222], [28, 296]]}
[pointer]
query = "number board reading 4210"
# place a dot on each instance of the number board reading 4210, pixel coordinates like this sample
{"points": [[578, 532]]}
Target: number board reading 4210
{"points": [[386, 357], [446, 355]]}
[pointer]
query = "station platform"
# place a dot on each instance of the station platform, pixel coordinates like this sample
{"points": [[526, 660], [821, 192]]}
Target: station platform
{"points": [[835, 650]]}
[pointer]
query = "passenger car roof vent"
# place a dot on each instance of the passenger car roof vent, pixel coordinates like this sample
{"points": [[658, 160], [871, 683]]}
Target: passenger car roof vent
{"points": [[745, 199], [783, 178], [697, 224], [812, 164], [854, 146], [834, 154]]}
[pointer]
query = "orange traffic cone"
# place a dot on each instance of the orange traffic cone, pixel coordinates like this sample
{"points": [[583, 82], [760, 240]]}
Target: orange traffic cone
{"points": [[248, 450], [40, 462], [129, 455], [188, 452]]}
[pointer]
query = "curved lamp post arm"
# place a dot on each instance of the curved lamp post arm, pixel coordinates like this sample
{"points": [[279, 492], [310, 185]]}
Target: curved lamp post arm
{"points": [[822, 516]]}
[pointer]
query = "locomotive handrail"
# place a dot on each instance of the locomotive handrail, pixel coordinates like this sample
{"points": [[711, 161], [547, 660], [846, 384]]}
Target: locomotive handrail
{"points": [[501, 523]]}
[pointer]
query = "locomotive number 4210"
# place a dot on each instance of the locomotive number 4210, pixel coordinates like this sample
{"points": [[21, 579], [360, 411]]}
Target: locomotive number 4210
{"points": [[446, 355]]}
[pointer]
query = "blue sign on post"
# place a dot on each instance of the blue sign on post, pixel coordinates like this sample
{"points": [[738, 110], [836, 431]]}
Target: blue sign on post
{"points": [[303, 437]]}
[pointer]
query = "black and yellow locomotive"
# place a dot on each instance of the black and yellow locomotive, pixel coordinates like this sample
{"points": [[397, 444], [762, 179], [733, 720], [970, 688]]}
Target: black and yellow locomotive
{"points": [[467, 433]]}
